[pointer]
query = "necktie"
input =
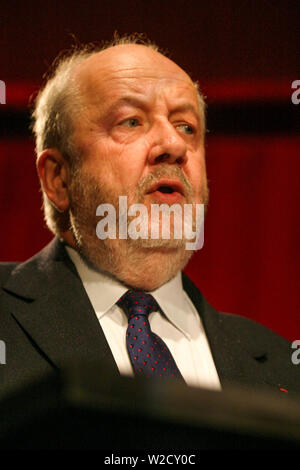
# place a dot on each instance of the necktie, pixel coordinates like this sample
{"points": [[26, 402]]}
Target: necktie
{"points": [[148, 353]]}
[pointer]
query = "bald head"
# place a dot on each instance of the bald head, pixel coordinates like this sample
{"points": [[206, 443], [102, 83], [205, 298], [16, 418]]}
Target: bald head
{"points": [[131, 59]]}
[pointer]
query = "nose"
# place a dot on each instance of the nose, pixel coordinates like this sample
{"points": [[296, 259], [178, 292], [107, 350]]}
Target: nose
{"points": [[167, 145]]}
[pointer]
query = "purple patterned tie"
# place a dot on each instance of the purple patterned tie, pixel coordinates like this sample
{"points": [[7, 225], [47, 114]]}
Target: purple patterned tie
{"points": [[148, 353]]}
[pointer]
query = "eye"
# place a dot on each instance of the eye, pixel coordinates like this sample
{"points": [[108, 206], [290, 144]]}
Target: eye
{"points": [[131, 122], [187, 128]]}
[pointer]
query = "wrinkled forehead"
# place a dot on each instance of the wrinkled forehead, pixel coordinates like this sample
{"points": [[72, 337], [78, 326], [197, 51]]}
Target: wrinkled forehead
{"points": [[135, 67]]}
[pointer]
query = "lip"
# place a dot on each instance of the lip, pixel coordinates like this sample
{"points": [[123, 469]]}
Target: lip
{"points": [[168, 198], [176, 185]]}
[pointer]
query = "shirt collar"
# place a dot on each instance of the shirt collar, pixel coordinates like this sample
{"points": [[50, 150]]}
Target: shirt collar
{"points": [[104, 291], [172, 300]]}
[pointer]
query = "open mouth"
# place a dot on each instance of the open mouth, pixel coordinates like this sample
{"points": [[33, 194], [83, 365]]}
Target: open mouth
{"points": [[167, 191], [167, 187]]}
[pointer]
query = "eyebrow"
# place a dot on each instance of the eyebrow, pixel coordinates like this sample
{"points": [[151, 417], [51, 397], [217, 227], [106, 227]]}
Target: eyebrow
{"points": [[181, 108], [131, 100], [142, 103]]}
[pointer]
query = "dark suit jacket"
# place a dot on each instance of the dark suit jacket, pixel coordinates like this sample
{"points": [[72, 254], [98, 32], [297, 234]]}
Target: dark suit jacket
{"points": [[47, 320]]}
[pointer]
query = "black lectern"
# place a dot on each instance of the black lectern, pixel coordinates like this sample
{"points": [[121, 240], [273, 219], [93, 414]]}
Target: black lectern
{"points": [[86, 408]]}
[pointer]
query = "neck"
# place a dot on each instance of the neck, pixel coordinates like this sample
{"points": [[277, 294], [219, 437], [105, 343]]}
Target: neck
{"points": [[137, 268]]}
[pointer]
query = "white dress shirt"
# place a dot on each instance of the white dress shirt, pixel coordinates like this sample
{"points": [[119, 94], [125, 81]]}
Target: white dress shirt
{"points": [[180, 326]]}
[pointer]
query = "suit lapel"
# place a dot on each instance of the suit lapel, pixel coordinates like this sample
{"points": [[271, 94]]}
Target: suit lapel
{"points": [[50, 304], [236, 361]]}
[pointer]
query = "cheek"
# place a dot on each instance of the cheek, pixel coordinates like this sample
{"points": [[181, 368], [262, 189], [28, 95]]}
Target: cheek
{"points": [[119, 166], [197, 166], [128, 162], [197, 174]]}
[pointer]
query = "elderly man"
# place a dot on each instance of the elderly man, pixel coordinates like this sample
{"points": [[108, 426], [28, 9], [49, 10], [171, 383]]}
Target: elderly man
{"points": [[124, 121]]}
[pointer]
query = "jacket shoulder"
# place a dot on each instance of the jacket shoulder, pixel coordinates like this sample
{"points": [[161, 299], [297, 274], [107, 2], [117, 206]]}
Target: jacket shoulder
{"points": [[254, 335], [6, 270], [246, 329]]}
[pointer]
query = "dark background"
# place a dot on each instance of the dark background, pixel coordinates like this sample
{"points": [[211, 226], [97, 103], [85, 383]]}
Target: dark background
{"points": [[245, 55]]}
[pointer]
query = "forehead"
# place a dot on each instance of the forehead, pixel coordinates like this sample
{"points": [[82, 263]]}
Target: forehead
{"points": [[135, 68]]}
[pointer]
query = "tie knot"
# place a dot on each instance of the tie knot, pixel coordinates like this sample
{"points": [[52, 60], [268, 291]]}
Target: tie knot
{"points": [[137, 303]]}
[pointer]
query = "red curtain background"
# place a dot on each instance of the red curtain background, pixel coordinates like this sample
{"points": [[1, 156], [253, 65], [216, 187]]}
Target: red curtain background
{"points": [[242, 52], [249, 264]]}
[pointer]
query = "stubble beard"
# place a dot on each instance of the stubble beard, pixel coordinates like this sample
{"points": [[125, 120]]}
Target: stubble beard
{"points": [[142, 263]]}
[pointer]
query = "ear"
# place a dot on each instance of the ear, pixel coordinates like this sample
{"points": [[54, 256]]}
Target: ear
{"points": [[53, 171]]}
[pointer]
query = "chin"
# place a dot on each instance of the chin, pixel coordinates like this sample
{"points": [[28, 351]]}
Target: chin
{"points": [[135, 264], [149, 268]]}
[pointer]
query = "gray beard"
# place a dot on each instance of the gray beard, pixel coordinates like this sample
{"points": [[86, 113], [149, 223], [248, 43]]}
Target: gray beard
{"points": [[140, 263]]}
